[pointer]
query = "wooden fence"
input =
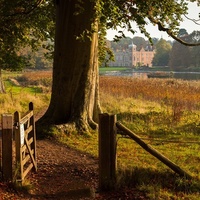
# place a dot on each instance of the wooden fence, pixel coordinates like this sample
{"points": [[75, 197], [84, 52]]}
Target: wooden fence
{"points": [[22, 141], [108, 129]]}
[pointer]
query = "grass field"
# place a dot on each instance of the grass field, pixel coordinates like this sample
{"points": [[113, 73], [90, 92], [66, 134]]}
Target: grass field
{"points": [[164, 113]]}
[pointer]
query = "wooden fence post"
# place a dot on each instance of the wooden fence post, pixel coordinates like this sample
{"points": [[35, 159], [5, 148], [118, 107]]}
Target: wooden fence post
{"points": [[107, 151], [7, 129]]}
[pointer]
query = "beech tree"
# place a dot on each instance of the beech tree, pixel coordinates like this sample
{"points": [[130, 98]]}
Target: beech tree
{"points": [[74, 101], [23, 23]]}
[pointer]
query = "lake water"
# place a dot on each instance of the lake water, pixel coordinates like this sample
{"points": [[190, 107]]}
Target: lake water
{"points": [[143, 74]]}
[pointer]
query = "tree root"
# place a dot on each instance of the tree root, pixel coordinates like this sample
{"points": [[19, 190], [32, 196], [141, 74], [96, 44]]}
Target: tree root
{"points": [[46, 130]]}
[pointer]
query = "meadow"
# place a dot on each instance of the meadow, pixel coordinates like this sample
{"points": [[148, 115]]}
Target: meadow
{"points": [[164, 113]]}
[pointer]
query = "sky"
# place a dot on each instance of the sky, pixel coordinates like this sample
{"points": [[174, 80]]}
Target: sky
{"points": [[190, 26]]}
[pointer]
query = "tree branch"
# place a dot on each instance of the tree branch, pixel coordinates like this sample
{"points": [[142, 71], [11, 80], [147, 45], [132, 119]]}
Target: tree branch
{"points": [[28, 11], [170, 33], [194, 20]]}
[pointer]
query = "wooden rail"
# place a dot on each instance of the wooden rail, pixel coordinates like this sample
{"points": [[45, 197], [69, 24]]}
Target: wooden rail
{"points": [[153, 151], [107, 151]]}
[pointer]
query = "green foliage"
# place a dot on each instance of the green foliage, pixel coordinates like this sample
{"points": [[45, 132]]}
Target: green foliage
{"points": [[122, 13], [161, 57], [23, 23], [195, 51], [182, 56], [32, 22], [18, 97], [13, 62], [165, 14]]}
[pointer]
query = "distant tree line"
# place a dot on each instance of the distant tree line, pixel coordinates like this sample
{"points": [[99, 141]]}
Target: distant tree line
{"points": [[39, 59], [168, 53], [184, 56]]}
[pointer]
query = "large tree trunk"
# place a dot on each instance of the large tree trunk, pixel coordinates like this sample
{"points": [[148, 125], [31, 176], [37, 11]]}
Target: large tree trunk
{"points": [[75, 98]]}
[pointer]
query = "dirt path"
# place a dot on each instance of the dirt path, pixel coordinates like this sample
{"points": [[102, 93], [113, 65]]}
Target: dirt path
{"points": [[63, 173]]}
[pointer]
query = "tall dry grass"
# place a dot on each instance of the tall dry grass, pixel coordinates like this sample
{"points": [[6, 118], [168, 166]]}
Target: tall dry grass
{"points": [[167, 91], [175, 96]]}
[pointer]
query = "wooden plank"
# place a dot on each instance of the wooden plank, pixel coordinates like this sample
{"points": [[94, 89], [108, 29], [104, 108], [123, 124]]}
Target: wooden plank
{"points": [[24, 119], [7, 125], [153, 151], [23, 148], [33, 134], [26, 158], [25, 151], [28, 130], [30, 141], [27, 170], [31, 155]]}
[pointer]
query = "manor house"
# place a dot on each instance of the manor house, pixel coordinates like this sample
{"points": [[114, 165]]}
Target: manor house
{"points": [[133, 56]]}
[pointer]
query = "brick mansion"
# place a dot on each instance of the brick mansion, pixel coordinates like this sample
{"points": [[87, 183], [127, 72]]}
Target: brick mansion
{"points": [[133, 56]]}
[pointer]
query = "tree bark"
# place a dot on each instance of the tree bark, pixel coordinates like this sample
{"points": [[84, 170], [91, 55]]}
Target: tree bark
{"points": [[75, 98]]}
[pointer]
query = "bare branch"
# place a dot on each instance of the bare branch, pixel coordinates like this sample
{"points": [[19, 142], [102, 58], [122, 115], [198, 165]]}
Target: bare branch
{"points": [[170, 33], [194, 20], [180, 40]]}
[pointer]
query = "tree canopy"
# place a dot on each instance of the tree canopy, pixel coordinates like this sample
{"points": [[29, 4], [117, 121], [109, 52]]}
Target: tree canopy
{"points": [[167, 15], [23, 23], [31, 22]]}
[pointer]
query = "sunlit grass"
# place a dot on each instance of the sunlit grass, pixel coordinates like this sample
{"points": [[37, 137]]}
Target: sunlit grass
{"points": [[164, 113], [17, 98]]}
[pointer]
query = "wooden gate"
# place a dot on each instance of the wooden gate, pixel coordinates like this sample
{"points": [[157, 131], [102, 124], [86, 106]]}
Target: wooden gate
{"points": [[25, 142]]}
